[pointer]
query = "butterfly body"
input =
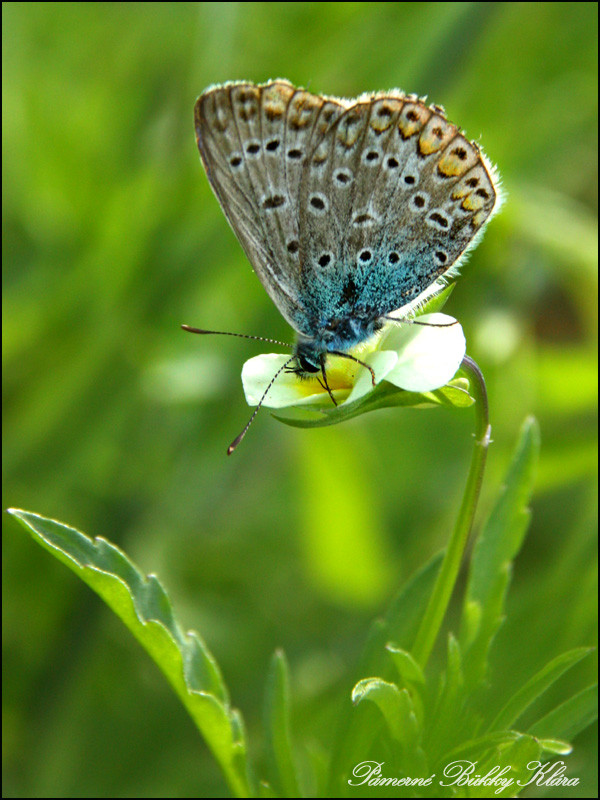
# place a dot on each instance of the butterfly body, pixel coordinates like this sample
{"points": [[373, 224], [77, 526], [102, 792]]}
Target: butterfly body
{"points": [[348, 210]]}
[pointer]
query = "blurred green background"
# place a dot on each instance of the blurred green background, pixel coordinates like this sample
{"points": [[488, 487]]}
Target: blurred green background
{"points": [[117, 422]]}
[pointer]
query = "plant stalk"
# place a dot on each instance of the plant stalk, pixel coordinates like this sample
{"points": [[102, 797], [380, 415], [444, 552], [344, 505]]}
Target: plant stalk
{"points": [[444, 585]]}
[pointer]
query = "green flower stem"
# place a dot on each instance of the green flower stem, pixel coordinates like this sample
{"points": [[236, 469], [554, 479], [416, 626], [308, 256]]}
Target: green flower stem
{"points": [[440, 597]]}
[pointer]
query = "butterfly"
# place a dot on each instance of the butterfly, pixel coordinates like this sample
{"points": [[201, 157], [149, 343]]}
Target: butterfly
{"points": [[347, 210]]}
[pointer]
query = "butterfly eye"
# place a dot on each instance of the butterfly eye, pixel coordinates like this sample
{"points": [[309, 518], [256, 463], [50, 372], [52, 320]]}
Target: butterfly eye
{"points": [[306, 365]]}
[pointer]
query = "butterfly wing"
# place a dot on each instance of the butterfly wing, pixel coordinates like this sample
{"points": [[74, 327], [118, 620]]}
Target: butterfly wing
{"points": [[254, 141], [392, 198]]}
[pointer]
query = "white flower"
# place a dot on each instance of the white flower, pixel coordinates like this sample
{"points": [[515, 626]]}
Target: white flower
{"points": [[414, 357]]}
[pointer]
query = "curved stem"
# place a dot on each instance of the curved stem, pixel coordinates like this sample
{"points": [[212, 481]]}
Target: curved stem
{"points": [[440, 597]]}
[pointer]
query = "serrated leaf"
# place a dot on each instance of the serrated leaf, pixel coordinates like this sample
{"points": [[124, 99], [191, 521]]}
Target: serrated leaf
{"points": [[536, 686], [571, 717], [143, 605], [498, 544], [278, 729]]}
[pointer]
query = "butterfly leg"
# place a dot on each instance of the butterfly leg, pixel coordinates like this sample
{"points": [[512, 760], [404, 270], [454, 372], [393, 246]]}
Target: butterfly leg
{"points": [[325, 384], [358, 361]]}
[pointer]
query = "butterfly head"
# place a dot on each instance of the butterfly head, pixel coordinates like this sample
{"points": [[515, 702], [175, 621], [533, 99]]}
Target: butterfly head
{"points": [[309, 358], [336, 335]]}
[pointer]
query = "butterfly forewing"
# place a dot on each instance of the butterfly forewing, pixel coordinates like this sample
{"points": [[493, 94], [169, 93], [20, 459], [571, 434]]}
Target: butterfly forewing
{"points": [[254, 141]]}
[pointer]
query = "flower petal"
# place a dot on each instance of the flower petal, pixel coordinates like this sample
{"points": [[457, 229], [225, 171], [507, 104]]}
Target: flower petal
{"points": [[258, 372], [381, 362], [289, 389], [428, 356]]}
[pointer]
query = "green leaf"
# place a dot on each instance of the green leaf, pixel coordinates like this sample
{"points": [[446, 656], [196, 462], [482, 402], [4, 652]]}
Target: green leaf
{"points": [[498, 544], [385, 395], [406, 610], [478, 747], [402, 619], [516, 756], [399, 713], [454, 671], [386, 697], [536, 686], [145, 608], [277, 729], [555, 746], [437, 301], [354, 731], [449, 713], [571, 717], [411, 677], [408, 669], [454, 394]]}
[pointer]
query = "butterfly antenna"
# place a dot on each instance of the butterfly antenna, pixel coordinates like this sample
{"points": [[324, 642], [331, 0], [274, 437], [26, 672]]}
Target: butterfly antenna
{"points": [[410, 321], [240, 436], [189, 329]]}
